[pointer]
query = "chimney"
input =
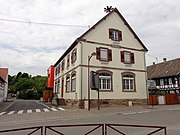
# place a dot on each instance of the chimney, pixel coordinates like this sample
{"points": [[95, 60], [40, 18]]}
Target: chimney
{"points": [[164, 59]]}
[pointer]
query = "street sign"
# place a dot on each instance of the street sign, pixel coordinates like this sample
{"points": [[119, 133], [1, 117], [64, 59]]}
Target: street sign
{"points": [[151, 84]]}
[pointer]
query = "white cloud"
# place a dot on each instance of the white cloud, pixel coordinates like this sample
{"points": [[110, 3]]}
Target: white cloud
{"points": [[33, 48]]}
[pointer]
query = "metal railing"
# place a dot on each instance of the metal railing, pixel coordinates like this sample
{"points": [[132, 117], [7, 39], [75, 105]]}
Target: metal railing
{"points": [[95, 127], [35, 130], [103, 129], [114, 127]]}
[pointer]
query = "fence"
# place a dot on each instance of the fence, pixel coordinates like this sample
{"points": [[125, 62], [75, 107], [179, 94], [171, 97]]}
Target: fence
{"points": [[34, 130], [93, 129]]}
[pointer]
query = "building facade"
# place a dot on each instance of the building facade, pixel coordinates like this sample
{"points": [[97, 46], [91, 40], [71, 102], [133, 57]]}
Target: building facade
{"points": [[113, 50], [166, 75], [3, 83]]}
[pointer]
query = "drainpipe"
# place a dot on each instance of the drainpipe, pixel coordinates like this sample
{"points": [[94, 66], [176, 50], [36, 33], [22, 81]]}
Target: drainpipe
{"points": [[81, 80], [147, 92]]}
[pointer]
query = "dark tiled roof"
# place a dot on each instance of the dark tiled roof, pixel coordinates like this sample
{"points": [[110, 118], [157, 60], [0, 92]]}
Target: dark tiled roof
{"points": [[164, 69]]}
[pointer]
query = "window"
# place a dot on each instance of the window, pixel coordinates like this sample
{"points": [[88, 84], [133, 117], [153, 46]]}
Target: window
{"points": [[62, 65], [170, 81], [127, 57], [128, 80], [105, 80], [161, 82], [104, 54], [115, 35], [58, 69], [58, 86], [68, 83], [68, 60], [73, 82], [73, 55]]}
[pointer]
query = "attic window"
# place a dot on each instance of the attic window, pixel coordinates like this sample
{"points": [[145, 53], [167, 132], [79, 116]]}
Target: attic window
{"points": [[115, 35]]}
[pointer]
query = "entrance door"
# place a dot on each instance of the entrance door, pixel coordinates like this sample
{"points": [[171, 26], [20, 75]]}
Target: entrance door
{"points": [[62, 87]]}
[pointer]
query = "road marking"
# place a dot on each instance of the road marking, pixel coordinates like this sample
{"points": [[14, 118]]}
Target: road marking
{"points": [[173, 109], [2, 113], [20, 112], [46, 110], [38, 110], [29, 111], [62, 109], [140, 112], [11, 112], [43, 104], [54, 109]]}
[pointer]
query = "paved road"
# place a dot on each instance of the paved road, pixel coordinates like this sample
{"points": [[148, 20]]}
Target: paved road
{"points": [[160, 115], [29, 106]]}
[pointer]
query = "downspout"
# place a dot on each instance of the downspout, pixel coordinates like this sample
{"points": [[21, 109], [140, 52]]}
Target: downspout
{"points": [[147, 92], [81, 80]]}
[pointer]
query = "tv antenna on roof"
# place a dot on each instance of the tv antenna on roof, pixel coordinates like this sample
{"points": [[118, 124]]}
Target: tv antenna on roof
{"points": [[108, 9]]}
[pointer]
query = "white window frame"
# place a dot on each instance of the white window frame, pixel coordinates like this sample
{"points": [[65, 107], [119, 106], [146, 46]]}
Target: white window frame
{"points": [[105, 85], [161, 82], [104, 54], [73, 82], [128, 82], [115, 35], [127, 57], [68, 88]]}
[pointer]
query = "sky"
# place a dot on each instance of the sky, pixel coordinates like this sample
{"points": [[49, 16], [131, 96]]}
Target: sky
{"points": [[35, 33]]}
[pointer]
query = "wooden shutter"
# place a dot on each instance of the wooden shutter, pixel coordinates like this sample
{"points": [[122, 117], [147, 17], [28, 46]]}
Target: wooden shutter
{"points": [[132, 58], [122, 56], [110, 33], [72, 57], [97, 53], [119, 35], [109, 55]]}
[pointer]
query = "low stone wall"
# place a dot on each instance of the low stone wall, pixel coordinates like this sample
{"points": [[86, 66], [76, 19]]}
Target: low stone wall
{"points": [[106, 102]]}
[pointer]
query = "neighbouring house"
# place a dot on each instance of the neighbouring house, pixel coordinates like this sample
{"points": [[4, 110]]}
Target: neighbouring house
{"points": [[113, 50], [3, 83], [48, 92], [167, 77]]}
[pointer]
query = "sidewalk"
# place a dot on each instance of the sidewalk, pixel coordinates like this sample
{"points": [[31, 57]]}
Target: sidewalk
{"points": [[4, 105]]}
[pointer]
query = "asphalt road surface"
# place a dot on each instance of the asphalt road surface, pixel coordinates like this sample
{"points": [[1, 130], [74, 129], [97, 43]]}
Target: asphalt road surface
{"points": [[167, 116]]}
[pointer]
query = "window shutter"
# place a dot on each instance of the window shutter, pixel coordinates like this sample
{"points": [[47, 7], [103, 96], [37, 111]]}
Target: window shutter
{"points": [[110, 33], [71, 57], [109, 55], [119, 35], [122, 56], [75, 54], [97, 53], [132, 58]]}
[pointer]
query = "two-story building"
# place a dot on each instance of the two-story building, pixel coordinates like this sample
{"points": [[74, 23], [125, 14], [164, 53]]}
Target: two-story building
{"points": [[113, 50]]}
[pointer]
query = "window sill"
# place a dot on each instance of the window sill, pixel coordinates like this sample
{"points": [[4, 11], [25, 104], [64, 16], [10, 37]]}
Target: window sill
{"points": [[105, 90]]}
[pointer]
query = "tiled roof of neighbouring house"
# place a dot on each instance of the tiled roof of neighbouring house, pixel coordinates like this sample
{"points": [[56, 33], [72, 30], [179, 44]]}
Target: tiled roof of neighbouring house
{"points": [[3, 73], [164, 69]]}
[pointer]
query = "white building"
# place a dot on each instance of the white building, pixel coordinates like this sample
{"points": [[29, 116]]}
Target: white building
{"points": [[119, 60]]}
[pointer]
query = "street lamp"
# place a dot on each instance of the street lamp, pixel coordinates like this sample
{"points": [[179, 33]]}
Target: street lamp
{"points": [[89, 58]]}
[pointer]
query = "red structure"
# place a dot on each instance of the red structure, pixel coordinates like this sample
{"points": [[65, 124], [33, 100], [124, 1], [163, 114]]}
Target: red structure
{"points": [[50, 71], [48, 92]]}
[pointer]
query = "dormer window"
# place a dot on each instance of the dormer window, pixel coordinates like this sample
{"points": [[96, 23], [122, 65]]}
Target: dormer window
{"points": [[115, 35]]}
